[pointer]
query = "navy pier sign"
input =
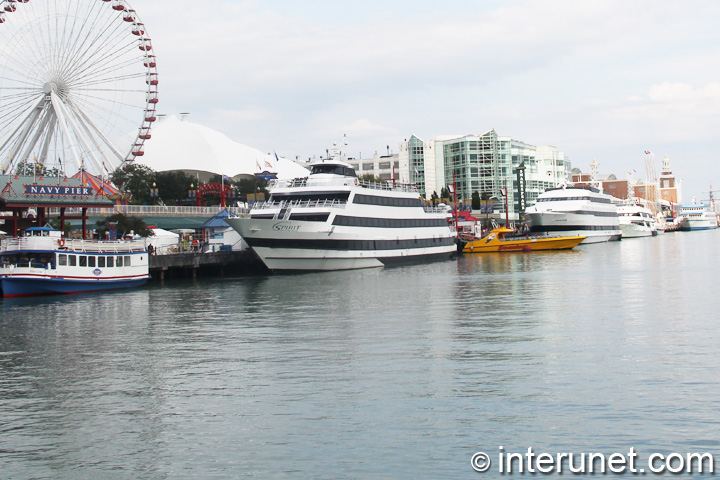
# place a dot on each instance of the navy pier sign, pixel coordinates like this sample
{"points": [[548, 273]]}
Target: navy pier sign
{"points": [[57, 190]]}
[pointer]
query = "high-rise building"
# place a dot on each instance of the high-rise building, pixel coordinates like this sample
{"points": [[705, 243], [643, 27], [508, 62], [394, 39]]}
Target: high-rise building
{"points": [[486, 164]]}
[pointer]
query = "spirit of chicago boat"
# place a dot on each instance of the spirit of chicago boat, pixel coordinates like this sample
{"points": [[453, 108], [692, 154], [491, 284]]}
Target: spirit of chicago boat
{"points": [[332, 221], [575, 211], [42, 262]]}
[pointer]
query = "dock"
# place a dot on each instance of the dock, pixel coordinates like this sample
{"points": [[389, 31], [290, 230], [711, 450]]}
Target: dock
{"points": [[192, 264]]}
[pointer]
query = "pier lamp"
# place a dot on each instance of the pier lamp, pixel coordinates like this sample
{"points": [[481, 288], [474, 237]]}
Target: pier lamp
{"points": [[154, 191], [192, 193]]}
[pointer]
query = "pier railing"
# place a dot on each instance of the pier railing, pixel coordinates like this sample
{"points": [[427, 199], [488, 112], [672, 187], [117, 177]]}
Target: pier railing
{"points": [[154, 210], [343, 181], [327, 203]]}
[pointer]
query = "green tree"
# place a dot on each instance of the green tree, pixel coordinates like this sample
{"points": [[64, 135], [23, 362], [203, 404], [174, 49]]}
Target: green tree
{"points": [[125, 224], [434, 197], [29, 169], [370, 178], [135, 179], [476, 204], [174, 186], [245, 186]]}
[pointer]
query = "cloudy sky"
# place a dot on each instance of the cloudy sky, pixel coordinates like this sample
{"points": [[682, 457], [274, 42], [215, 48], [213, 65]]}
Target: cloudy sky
{"points": [[600, 80]]}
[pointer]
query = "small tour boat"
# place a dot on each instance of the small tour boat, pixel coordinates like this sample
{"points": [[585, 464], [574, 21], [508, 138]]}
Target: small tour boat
{"points": [[42, 262], [506, 240]]}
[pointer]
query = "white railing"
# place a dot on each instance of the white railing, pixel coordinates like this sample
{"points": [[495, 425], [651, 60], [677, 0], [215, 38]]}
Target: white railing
{"points": [[334, 203], [18, 244], [431, 209], [341, 182], [154, 210]]}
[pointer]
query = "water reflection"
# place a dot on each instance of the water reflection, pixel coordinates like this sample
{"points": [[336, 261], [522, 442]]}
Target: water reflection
{"points": [[394, 373]]}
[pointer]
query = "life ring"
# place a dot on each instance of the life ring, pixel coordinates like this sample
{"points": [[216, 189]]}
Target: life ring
{"points": [[61, 242], [356, 181]]}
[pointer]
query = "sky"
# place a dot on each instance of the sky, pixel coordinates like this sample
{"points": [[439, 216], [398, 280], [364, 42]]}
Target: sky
{"points": [[600, 80]]}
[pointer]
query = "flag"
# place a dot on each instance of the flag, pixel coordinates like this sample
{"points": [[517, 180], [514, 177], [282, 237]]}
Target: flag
{"points": [[268, 164], [648, 152], [225, 178], [276, 157], [258, 165]]}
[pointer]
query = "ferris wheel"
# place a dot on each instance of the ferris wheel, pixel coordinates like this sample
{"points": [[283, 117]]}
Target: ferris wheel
{"points": [[78, 84]]}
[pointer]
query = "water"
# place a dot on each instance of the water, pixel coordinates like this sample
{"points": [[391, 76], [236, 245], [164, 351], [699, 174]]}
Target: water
{"points": [[401, 373]]}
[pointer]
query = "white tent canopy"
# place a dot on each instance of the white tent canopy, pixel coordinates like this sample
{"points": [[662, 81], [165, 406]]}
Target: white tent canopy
{"points": [[178, 144]]}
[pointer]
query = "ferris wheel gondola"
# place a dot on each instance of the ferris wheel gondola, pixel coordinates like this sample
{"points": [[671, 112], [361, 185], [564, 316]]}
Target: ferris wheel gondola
{"points": [[78, 84]]}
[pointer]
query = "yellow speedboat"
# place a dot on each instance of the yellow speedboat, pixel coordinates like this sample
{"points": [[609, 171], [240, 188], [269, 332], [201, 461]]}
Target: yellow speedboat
{"points": [[498, 240]]}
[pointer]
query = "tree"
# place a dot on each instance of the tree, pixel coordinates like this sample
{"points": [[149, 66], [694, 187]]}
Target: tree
{"points": [[476, 204], [30, 169], [136, 180], [247, 186], [173, 187], [434, 197], [125, 224], [370, 178]]}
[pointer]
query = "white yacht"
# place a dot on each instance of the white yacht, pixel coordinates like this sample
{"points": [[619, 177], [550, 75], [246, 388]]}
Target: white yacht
{"points": [[697, 216], [636, 220], [332, 221], [582, 211]]}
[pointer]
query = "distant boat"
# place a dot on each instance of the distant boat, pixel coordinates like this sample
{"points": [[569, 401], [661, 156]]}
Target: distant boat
{"points": [[575, 211], [636, 221], [505, 240], [697, 216], [42, 262]]}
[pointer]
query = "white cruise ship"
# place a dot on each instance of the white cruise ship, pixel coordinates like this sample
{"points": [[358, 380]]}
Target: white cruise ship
{"points": [[636, 220], [331, 221], [697, 216], [569, 211]]}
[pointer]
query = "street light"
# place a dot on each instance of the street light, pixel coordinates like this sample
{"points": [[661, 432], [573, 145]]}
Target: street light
{"points": [[154, 191]]}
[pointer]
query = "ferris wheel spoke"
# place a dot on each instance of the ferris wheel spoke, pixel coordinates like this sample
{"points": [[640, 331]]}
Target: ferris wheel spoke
{"points": [[89, 123], [90, 49], [103, 70], [16, 144]]}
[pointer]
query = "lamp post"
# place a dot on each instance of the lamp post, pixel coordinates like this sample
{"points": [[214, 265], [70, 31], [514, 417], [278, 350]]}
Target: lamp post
{"points": [[192, 193], [154, 191]]}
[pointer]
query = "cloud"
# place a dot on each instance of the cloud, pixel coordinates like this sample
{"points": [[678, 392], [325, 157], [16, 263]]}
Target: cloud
{"points": [[588, 77]]}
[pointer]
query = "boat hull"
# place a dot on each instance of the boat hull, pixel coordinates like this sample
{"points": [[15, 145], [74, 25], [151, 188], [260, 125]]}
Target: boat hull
{"points": [[575, 225], [637, 231], [705, 224], [25, 286], [291, 246], [531, 244]]}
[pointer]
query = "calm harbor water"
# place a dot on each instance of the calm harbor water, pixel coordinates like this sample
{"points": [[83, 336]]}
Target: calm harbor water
{"points": [[400, 373]]}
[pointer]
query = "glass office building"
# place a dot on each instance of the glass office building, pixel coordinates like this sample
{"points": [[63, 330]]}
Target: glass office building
{"points": [[486, 163]]}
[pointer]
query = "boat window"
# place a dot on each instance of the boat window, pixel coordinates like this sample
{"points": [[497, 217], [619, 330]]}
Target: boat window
{"points": [[118, 261], [318, 196], [83, 261], [91, 262], [72, 260], [101, 262], [62, 259], [110, 261], [334, 169], [127, 260]]}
